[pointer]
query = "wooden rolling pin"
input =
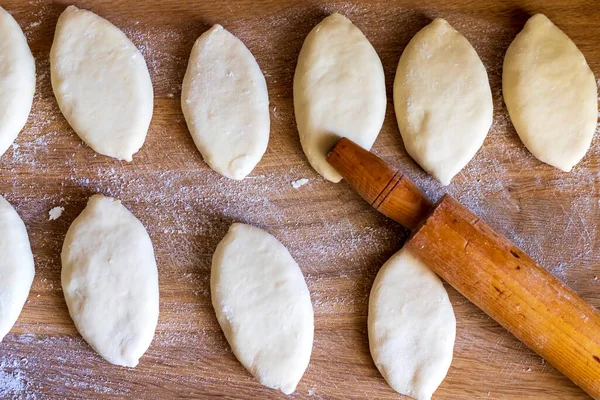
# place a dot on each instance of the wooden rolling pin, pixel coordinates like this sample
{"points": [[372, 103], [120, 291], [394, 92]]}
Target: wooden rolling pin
{"points": [[483, 266]]}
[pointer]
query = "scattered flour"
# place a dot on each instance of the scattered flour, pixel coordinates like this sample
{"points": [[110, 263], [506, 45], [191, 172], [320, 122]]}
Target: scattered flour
{"points": [[12, 381], [187, 208], [300, 182], [55, 213], [20, 378]]}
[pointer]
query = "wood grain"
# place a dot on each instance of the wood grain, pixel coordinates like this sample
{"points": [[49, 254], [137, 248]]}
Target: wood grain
{"points": [[337, 239]]}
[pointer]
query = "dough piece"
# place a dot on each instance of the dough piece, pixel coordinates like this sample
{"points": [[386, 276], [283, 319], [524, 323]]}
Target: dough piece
{"points": [[550, 93], [226, 104], [411, 326], [101, 83], [263, 306], [16, 265], [339, 91], [17, 80], [110, 280], [442, 99]]}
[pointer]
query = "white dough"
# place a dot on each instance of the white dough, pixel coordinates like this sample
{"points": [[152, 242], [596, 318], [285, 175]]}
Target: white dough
{"points": [[550, 93], [101, 83], [411, 326], [263, 306], [17, 80], [442, 99], [16, 266], [110, 280], [339, 91], [226, 104]]}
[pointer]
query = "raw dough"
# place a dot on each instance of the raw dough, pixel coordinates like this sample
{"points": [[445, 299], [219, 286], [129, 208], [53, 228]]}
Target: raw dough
{"points": [[442, 99], [110, 280], [16, 265], [550, 93], [263, 306], [339, 91], [411, 326], [17, 80], [101, 83], [226, 104]]}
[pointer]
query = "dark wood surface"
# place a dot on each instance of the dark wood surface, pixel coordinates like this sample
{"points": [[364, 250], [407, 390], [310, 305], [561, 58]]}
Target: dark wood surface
{"points": [[338, 240]]}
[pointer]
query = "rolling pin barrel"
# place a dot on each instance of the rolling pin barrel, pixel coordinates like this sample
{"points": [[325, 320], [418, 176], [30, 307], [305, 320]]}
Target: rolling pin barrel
{"points": [[485, 267]]}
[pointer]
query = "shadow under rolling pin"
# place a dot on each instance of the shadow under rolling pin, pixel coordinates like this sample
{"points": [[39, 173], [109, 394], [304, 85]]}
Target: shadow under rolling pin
{"points": [[483, 266]]}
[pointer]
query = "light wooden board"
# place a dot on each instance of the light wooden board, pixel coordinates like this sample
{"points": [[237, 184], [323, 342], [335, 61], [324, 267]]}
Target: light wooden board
{"points": [[337, 239]]}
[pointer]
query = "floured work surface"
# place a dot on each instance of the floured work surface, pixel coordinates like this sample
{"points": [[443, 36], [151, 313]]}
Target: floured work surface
{"points": [[338, 241]]}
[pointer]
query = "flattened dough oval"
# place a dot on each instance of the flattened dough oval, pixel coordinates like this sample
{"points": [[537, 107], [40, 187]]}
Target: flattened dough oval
{"points": [[442, 99], [226, 104], [17, 80], [411, 325], [110, 280], [550, 93], [101, 83], [263, 306], [16, 266], [339, 91]]}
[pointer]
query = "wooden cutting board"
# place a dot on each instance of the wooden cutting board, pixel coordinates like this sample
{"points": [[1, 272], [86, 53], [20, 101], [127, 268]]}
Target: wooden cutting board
{"points": [[336, 238]]}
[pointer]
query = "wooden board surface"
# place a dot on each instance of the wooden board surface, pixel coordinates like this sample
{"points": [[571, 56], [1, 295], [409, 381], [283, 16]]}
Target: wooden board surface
{"points": [[337, 239]]}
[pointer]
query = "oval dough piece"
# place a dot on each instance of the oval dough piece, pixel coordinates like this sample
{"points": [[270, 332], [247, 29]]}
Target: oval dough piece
{"points": [[411, 326], [16, 266], [226, 104], [339, 91], [263, 306], [442, 99], [110, 280], [17, 80], [550, 93], [101, 83]]}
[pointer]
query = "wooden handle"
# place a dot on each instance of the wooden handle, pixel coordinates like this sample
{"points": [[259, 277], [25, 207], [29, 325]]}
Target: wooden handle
{"points": [[382, 186], [510, 287], [484, 266]]}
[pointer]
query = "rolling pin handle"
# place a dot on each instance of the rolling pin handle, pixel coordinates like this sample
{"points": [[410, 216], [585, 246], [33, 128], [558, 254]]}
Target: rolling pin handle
{"points": [[382, 186]]}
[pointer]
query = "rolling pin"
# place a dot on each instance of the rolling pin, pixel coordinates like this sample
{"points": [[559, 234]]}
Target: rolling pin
{"points": [[483, 266]]}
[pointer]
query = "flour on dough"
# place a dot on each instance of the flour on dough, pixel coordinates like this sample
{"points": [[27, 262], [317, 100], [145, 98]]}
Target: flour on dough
{"points": [[16, 266], [101, 83], [263, 306], [550, 93], [17, 80], [226, 104], [411, 326], [339, 91], [110, 281], [442, 99]]}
